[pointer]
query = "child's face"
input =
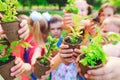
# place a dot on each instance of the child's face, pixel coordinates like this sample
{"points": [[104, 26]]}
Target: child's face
{"points": [[82, 8], [111, 28], [55, 29], [107, 12]]}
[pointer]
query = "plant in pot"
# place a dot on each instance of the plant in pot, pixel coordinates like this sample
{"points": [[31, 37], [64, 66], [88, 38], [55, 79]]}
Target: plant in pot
{"points": [[42, 64], [93, 56], [10, 25], [9, 22], [6, 59], [75, 38]]}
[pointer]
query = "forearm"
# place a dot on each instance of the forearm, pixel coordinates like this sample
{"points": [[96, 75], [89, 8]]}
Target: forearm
{"points": [[56, 61]]}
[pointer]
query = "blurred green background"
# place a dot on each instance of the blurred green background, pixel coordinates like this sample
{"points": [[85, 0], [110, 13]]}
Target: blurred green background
{"points": [[56, 6]]}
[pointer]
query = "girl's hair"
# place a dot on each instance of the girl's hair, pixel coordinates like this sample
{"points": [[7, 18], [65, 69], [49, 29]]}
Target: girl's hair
{"points": [[112, 20], [106, 5], [39, 27]]}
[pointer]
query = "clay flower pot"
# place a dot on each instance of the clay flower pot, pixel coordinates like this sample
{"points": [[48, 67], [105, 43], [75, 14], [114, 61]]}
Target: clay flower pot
{"points": [[66, 41], [85, 68], [40, 69], [5, 68], [11, 30]]}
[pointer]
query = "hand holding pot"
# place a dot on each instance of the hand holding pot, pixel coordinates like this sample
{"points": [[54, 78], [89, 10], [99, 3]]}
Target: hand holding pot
{"points": [[19, 67], [68, 55], [90, 27], [24, 30], [109, 71], [43, 77]]}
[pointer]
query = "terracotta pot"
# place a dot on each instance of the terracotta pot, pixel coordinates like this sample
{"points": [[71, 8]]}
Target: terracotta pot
{"points": [[5, 68], [11, 30], [84, 69], [40, 69], [73, 45]]}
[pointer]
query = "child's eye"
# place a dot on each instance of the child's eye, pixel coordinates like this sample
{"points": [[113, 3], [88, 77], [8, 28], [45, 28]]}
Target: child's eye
{"points": [[109, 15], [105, 31], [59, 28]]}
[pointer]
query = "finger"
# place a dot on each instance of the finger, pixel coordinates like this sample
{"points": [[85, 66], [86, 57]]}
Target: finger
{"points": [[43, 77], [23, 23], [23, 29], [66, 55], [66, 51], [69, 22], [22, 36], [77, 51], [100, 77], [19, 71], [17, 66], [75, 55], [63, 46], [79, 70], [67, 15], [100, 71]]}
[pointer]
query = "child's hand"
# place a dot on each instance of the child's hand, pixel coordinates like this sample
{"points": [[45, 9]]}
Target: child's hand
{"points": [[18, 68], [66, 54], [24, 30]]}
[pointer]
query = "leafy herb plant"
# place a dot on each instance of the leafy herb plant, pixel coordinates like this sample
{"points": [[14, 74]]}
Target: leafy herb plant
{"points": [[94, 53], [78, 30], [6, 50], [51, 45], [114, 37], [71, 7], [9, 9], [3, 56]]}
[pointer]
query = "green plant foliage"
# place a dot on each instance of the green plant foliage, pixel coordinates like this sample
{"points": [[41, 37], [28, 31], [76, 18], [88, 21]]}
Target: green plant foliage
{"points": [[94, 52], [51, 45], [114, 37], [78, 28], [116, 3], [4, 56], [9, 9], [71, 7]]}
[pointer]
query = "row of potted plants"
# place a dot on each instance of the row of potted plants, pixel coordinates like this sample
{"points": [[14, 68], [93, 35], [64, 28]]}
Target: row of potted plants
{"points": [[10, 24]]}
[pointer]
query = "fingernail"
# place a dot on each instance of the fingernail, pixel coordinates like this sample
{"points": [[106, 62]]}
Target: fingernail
{"points": [[89, 72], [11, 74], [86, 76], [12, 69]]}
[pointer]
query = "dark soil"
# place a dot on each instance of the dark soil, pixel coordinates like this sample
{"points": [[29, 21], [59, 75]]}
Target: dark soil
{"points": [[10, 59]]}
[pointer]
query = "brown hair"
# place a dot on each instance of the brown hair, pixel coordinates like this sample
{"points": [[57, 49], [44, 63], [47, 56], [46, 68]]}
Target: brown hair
{"points": [[106, 5], [55, 18]]}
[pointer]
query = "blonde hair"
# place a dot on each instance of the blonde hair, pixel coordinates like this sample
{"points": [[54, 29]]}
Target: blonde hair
{"points": [[39, 27]]}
